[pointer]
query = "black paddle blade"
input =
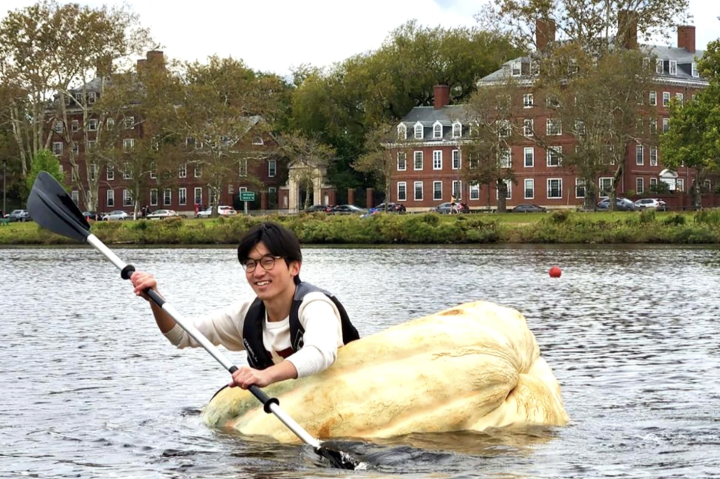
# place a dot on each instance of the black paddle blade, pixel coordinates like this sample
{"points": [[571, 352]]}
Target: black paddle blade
{"points": [[52, 208], [338, 459]]}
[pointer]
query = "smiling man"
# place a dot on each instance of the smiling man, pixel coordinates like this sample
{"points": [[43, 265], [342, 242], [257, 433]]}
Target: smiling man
{"points": [[290, 329]]}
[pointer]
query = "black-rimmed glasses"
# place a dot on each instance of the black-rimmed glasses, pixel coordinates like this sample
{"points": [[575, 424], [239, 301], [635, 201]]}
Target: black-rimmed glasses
{"points": [[267, 262]]}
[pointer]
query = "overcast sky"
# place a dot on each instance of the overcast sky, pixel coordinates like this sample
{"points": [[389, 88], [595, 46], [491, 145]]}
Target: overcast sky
{"points": [[274, 35]]}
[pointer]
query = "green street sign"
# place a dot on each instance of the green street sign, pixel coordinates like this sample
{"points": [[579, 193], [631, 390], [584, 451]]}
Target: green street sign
{"points": [[247, 196]]}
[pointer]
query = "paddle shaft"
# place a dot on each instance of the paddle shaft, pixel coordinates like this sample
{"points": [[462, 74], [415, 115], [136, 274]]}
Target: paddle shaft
{"points": [[271, 405]]}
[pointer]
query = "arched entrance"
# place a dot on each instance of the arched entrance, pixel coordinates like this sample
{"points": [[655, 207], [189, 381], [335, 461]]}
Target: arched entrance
{"points": [[669, 177], [305, 180]]}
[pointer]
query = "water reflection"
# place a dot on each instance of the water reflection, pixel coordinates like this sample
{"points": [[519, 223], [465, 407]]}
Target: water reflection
{"points": [[90, 388]]}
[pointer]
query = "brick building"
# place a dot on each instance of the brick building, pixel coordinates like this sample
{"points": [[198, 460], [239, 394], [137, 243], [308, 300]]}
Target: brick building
{"points": [[181, 193], [430, 141]]}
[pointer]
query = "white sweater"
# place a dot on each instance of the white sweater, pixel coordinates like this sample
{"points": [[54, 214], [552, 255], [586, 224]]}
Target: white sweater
{"points": [[318, 316]]}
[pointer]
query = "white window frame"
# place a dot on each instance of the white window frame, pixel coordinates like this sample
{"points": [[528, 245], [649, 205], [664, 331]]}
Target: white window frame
{"points": [[153, 171], [272, 168], [456, 189], [437, 190], [129, 122], [74, 126], [182, 171], [531, 150], [653, 182], [456, 129], [666, 98], [694, 70], [92, 97], [402, 161], [110, 198], [92, 124], [128, 144], [153, 197], [92, 171], [659, 66], [549, 182], [418, 154], [127, 198], [402, 131], [556, 149], [437, 160], [456, 160], [653, 98], [666, 125], [529, 184], [417, 197], [475, 192], [58, 126], [57, 148], [553, 127], [197, 195], [528, 100], [653, 156], [167, 197], [516, 68], [127, 171], [639, 185], [75, 195], [402, 191], [672, 68], [110, 122], [418, 131], [243, 168], [505, 157], [639, 155], [681, 184], [197, 170], [437, 131], [528, 127], [504, 128], [680, 98], [110, 173], [580, 183], [182, 196], [605, 179]]}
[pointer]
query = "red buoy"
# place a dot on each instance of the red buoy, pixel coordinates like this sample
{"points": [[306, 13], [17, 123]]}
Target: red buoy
{"points": [[555, 272]]}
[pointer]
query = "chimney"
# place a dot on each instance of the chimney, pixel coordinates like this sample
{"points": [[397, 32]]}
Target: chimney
{"points": [[155, 57], [442, 96], [544, 33], [686, 38], [141, 64], [627, 29]]}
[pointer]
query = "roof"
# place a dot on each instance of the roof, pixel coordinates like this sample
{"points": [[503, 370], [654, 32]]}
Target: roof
{"points": [[683, 58], [429, 115]]}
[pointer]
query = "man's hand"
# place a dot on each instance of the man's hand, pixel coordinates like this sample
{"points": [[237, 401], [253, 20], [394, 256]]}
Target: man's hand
{"points": [[246, 376]]}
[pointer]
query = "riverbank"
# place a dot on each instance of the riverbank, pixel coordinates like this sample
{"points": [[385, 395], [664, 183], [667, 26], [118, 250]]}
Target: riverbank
{"points": [[566, 227]]}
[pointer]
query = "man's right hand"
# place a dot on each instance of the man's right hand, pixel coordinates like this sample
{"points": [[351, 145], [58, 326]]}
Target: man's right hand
{"points": [[143, 281]]}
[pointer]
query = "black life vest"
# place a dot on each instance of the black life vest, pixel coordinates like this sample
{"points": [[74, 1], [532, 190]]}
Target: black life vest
{"points": [[257, 355]]}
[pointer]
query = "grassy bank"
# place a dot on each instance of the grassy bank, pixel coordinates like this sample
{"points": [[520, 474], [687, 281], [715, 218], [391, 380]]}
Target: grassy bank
{"points": [[557, 227]]}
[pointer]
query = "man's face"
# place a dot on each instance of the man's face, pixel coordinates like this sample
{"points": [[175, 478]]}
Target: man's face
{"points": [[274, 281]]}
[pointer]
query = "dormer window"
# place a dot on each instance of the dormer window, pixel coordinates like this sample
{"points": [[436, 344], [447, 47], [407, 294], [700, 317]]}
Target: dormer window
{"points": [[659, 66], [402, 132], [695, 72], [457, 130], [418, 131], [673, 67], [258, 141], [516, 69], [437, 130], [92, 97]]}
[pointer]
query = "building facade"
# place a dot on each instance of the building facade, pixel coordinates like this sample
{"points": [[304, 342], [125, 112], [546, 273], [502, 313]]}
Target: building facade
{"points": [[430, 140]]}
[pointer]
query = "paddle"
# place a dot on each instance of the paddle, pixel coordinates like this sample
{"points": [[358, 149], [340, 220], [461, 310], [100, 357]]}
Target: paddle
{"points": [[52, 208]]}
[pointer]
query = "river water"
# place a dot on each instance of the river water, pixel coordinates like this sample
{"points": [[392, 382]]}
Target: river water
{"points": [[89, 388]]}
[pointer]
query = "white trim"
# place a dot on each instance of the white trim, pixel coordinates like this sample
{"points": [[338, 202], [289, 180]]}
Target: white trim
{"points": [[404, 187], [530, 149], [415, 190], [437, 160], [415, 131], [548, 188], [402, 127], [454, 125], [436, 190], [456, 155], [531, 182], [415, 158], [404, 161], [435, 133]]}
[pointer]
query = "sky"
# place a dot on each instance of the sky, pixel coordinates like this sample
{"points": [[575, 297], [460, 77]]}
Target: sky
{"points": [[276, 35]]}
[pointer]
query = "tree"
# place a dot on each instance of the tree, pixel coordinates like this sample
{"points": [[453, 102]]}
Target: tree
{"points": [[490, 112], [46, 49], [694, 135], [382, 154], [44, 160]]}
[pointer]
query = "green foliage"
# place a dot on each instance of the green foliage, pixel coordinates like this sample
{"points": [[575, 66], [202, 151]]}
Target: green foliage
{"points": [[560, 216], [44, 160], [708, 217], [660, 188], [674, 220]]}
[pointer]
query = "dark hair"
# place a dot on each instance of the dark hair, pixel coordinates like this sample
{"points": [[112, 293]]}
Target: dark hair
{"points": [[278, 240]]}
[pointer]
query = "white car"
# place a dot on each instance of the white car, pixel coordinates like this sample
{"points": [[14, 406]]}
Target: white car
{"points": [[160, 214], [651, 204], [117, 215], [222, 211]]}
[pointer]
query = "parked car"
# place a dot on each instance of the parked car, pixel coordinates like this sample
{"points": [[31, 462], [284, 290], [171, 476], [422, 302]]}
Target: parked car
{"points": [[446, 208], [161, 214], [621, 204], [318, 209], [651, 203], [117, 215], [92, 215], [391, 207], [348, 210], [529, 208], [19, 215], [223, 210]]}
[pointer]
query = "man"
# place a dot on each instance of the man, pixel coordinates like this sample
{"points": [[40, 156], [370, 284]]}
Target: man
{"points": [[290, 330]]}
